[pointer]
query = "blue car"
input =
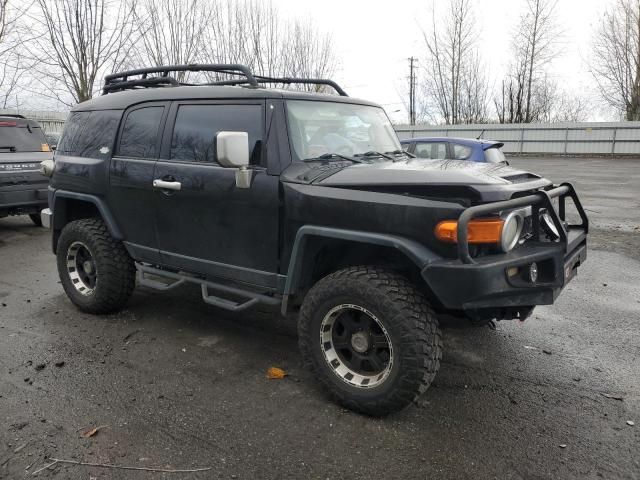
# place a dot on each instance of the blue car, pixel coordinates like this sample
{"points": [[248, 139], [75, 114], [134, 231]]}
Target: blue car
{"points": [[440, 148]]}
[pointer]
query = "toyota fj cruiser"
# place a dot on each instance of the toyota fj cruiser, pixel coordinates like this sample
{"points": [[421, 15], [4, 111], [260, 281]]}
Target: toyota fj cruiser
{"points": [[23, 146], [307, 202]]}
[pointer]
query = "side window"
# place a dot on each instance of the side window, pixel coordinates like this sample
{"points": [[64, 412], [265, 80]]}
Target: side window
{"points": [[431, 150], [90, 134], [140, 133], [196, 126], [73, 127], [461, 152]]}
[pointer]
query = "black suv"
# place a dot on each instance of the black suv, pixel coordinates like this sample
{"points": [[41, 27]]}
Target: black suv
{"points": [[23, 146], [307, 202]]}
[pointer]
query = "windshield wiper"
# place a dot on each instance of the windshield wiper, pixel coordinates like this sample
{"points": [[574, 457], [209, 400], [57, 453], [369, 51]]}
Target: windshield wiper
{"points": [[332, 156], [401, 152], [11, 148], [373, 153]]}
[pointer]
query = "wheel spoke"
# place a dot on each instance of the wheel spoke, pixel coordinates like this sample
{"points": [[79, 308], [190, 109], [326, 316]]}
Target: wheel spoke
{"points": [[341, 344], [350, 321], [375, 361], [379, 340], [356, 362]]}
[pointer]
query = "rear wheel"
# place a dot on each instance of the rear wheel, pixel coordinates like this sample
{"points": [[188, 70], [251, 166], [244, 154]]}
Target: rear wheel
{"points": [[35, 218], [96, 272], [371, 338]]}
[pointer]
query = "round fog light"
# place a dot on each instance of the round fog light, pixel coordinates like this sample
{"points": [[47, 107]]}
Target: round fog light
{"points": [[533, 272]]}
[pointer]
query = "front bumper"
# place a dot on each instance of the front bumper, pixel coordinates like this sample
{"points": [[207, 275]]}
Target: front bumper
{"points": [[487, 283], [502, 281]]}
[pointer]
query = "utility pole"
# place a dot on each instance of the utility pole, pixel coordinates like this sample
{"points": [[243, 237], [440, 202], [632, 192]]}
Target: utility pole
{"points": [[412, 90]]}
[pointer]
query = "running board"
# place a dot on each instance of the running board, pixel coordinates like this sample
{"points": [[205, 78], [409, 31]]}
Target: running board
{"points": [[176, 279]]}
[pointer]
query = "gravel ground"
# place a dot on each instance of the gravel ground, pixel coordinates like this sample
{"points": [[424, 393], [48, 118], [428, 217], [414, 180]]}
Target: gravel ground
{"points": [[177, 384]]}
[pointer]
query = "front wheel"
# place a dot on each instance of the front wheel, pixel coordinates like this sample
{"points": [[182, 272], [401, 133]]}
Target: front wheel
{"points": [[96, 272], [371, 338]]}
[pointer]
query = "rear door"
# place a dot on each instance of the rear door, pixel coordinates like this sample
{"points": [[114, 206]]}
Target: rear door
{"points": [[210, 226], [131, 177]]}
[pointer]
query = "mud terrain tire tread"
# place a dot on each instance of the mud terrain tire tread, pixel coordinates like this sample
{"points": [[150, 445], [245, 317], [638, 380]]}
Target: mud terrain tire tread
{"points": [[403, 309], [116, 269]]}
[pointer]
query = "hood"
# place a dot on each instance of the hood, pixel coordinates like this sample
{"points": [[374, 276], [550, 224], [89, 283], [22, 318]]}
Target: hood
{"points": [[487, 181], [434, 172]]}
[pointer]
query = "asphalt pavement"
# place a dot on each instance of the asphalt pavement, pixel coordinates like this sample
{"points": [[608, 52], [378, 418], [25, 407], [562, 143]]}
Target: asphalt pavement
{"points": [[175, 384]]}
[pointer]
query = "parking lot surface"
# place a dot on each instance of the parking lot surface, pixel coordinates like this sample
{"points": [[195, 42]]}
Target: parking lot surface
{"points": [[176, 384]]}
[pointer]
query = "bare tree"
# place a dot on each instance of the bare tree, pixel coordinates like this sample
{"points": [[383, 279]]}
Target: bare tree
{"points": [[11, 61], [527, 93], [173, 31], [569, 108], [616, 58], [452, 74], [79, 40], [254, 33]]}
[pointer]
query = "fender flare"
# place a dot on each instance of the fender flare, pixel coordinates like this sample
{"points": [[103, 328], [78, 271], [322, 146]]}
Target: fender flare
{"points": [[415, 251], [99, 203]]}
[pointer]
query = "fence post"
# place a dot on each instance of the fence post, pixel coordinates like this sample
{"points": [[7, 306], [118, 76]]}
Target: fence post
{"points": [[613, 143], [521, 140], [566, 140]]}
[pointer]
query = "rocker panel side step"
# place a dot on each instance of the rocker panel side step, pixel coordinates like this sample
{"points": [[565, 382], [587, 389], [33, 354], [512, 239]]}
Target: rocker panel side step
{"points": [[176, 279]]}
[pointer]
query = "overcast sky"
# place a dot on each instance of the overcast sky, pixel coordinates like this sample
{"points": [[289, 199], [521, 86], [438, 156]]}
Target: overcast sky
{"points": [[374, 38]]}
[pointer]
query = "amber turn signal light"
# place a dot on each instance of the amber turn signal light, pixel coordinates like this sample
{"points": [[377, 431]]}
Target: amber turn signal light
{"points": [[481, 230]]}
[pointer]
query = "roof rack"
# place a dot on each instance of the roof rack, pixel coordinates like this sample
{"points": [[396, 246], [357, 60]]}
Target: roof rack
{"points": [[159, 76], [12, 115], [288, 81]]}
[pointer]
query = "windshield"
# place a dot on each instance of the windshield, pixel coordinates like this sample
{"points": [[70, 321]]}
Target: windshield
{"points": [[320, 128], [15, 138], [494, 155]]}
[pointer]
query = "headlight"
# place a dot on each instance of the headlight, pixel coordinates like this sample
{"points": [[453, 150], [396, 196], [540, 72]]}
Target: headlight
{"points": [[549, 227], [511, 230]]}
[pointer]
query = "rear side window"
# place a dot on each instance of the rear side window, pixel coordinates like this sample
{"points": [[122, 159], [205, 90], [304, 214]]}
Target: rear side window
{"points": [[432, 150], [494, 155], [90, 134], [16, 136], [461, 152], [196, 127], [140, 133]]}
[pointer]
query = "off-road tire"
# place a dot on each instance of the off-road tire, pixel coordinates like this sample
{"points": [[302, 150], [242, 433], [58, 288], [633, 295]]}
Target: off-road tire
{"points": [[36, 219], [115, 269], [409, 320]]}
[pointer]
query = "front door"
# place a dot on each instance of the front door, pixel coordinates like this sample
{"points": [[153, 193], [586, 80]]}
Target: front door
{"points": [[131, 196], [210, 226]]}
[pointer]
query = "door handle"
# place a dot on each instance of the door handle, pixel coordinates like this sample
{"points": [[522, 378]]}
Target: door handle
{"points": [[164, 185]]}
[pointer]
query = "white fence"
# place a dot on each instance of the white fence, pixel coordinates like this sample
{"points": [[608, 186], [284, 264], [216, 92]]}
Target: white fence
{"points": [[51, 122], [592, 138]]}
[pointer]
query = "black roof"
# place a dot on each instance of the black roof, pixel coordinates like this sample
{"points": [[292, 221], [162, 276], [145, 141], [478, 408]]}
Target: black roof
{"points": [[122, 100]]}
